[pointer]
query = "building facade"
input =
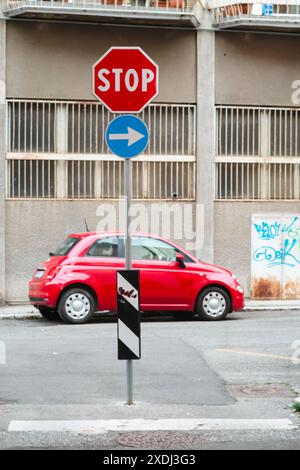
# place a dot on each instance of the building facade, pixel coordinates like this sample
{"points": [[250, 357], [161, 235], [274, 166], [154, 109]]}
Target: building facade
{"points": [[225, 134]]}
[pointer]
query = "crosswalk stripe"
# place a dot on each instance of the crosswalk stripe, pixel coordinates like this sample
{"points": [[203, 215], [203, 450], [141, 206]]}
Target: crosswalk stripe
{"points": [[103, 426]]}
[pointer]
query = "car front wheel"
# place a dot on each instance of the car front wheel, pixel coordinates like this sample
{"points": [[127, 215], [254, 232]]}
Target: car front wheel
{"points": [[76, 306], [213, 304]]}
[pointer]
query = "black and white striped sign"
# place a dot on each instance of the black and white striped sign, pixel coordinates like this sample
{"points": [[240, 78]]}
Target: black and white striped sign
{"points": [[129, 328]]}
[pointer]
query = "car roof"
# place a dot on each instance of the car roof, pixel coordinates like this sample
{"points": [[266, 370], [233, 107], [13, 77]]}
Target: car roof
{"points": [[105, 234]]}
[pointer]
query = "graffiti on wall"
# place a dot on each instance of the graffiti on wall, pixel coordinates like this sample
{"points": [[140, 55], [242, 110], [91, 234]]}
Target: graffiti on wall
{"points": [[275, 261]]}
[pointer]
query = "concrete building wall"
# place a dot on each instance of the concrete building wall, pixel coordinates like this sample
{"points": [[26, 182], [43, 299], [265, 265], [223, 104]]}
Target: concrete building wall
{"points": [[256, 69], [232, 238], [34, 228], [53, 61], [48, 60]]}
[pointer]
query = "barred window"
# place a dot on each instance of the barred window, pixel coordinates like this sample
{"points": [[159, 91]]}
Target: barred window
{"points": [[31, 179], [250, 181], [257, 153], [57, 149], [31, 126], [237, 131]]}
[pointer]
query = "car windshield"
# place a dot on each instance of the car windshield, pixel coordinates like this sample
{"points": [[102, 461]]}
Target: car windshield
{"points": [[66, 246]]}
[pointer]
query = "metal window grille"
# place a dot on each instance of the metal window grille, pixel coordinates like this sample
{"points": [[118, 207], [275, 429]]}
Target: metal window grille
{"points": [[56, 149], [257, 153], [31, 179], [35, 126]]}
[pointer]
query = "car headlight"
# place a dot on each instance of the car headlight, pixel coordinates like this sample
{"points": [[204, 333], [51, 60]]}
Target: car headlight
{"points": [[240, 289], [234, 276]]}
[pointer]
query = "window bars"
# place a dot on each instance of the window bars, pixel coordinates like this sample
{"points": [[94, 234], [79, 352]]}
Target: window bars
{"points": [[257, 153], [57, 149]]}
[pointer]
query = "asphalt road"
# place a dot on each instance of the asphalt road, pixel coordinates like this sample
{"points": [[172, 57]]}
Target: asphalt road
{"points": [[240, 369]]}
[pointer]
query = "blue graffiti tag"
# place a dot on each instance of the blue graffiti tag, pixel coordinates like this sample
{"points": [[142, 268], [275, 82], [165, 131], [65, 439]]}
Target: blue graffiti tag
{"points": [[278, 257], [268, 231], [290, 228]]}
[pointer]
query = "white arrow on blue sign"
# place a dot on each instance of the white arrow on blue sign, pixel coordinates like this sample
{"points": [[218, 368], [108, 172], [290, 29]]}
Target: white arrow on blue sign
{"points": [[127, 136]]}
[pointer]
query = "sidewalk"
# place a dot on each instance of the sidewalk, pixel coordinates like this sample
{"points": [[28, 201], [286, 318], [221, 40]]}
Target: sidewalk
{"points": [[272, 305], [26, 311], [19, 312]]}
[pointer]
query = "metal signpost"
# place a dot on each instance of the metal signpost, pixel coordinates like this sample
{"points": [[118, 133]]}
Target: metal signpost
{"points": [[125, 80], [127, 136]]}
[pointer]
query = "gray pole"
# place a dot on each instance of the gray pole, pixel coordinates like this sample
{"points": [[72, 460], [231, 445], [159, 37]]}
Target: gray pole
{"points": [[128, 261]]}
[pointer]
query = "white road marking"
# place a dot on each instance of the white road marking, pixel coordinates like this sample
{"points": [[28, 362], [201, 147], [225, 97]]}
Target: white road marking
{"points": [[265, 355], [103, 426]]}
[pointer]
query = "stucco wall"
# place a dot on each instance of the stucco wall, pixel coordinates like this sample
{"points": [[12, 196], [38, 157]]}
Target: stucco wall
{"points": [[34, 228], [233, 233], [47, 60], [256, 69]]}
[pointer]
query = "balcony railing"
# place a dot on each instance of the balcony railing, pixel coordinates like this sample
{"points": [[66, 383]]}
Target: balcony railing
{"points": [[169, 12], [256, 14]]}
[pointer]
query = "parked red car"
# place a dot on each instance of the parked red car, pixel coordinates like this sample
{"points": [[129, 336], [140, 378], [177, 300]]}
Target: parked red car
{"points": [[79, 279]]}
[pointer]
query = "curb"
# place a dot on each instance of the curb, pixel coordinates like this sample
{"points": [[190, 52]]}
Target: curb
{"points": [[271, 308], [20, 316], [34, 314]]}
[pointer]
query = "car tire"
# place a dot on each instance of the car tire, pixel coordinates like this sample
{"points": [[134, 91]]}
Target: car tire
{"points": [[213, 304], [182, 316], [76, 306], [48, 313]]}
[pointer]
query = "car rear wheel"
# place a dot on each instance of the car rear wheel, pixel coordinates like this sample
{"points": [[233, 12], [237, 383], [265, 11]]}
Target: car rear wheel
{"points": [[213, 304], [76, 306], [48, 313]]}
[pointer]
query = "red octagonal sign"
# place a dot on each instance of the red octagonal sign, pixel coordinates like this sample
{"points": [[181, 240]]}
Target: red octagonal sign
{"points": [[125, 79]]}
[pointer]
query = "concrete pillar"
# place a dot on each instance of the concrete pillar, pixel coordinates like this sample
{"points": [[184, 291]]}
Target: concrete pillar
{"points": [[206, 134], [2, 156]]}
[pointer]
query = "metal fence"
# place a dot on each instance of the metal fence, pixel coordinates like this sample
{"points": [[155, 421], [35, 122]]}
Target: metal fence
{"points": [[56, 149], [257, 153]]}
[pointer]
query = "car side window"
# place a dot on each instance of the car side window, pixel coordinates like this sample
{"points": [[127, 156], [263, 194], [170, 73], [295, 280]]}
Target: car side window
{"points": [[105, 248], [145, 248]]}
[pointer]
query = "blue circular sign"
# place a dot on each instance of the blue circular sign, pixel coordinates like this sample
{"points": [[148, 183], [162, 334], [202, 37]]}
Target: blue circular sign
{"points": [[127, 136]]}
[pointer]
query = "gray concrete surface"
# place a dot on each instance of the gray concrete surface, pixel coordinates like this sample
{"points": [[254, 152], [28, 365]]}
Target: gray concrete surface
{"points": [[2, 156], [255, 61], [238, 369], [60, 57]]}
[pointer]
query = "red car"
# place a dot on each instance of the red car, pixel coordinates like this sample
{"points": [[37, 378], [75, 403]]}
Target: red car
{"points": [[79, 279]]}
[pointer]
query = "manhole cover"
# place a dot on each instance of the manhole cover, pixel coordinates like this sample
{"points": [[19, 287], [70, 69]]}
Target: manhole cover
{"points": [[158, 439], [261, 390]]}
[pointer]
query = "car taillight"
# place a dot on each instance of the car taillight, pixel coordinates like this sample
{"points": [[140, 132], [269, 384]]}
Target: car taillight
{"points": [[53, 272]]}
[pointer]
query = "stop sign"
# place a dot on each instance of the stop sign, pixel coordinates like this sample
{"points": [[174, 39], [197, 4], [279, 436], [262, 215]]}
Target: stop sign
{"points": [[125, 79]]}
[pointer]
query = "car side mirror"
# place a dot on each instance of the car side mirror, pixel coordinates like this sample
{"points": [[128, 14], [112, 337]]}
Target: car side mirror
{"points": [[180, 260]]}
